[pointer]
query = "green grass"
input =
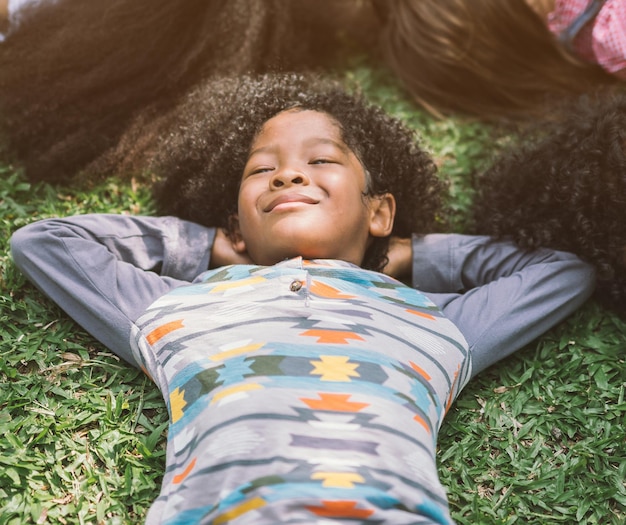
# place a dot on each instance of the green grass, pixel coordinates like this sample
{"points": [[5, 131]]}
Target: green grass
{"points": [[537, 439]]}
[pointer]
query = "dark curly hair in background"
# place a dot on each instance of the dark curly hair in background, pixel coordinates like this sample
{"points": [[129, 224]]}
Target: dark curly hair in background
{"points": [[203, 161], [567, 190], [75, 74]]}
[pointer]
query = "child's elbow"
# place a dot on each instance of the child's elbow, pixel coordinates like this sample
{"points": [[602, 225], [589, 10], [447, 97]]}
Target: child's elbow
{"points": [[21, 243], [26, 242]]}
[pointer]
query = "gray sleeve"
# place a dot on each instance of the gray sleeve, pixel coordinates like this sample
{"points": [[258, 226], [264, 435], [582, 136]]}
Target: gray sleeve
{"points": [[499, 296], [105, 270]]}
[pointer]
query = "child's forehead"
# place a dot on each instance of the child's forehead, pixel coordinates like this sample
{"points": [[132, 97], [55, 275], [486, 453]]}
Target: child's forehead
{"points": [[303, 120]]}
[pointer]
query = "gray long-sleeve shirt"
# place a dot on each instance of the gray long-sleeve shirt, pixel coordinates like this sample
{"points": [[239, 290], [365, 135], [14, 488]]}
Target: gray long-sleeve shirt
{"points": [[105, 270]]}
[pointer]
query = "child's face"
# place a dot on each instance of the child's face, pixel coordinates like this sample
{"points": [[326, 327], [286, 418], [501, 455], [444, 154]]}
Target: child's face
{"points": [[302, 194]]}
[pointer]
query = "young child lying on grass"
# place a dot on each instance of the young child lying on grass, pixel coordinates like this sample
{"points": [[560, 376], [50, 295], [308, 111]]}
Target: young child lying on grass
{"points": [[303, 385]]}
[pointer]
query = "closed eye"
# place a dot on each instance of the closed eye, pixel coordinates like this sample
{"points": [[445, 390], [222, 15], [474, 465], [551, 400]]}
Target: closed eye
{"points": [[323, 161], [263, 169]]}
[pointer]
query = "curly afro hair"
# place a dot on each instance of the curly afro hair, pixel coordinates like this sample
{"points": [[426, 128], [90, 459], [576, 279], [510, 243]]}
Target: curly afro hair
{"points": [[567, 190], [201, 163]]}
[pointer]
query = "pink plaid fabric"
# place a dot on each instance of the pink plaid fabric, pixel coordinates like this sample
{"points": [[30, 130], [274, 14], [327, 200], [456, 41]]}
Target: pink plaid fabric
{"points": [[601, 41]]}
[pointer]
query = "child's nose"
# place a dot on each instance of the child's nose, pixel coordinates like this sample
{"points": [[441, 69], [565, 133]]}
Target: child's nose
{"points": [[287, 177]]}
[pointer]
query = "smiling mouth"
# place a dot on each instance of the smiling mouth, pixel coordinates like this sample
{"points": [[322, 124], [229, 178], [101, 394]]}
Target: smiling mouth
{"points": [[289, 201]]}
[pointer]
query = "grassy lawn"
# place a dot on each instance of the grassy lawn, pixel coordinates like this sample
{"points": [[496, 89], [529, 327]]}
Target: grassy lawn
{"points": [[537, 439]]}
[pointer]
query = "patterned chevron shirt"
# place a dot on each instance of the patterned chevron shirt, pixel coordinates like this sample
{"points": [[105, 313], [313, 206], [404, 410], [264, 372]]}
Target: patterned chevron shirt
{"points": [[308, 392]]}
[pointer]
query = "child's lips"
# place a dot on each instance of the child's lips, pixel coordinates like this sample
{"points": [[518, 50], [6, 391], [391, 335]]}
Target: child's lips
{"points": [[287, 199]]}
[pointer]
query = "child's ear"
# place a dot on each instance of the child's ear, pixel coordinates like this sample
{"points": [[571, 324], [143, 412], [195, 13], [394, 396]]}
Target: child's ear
{"points": [[234, 233], [382, 214]]}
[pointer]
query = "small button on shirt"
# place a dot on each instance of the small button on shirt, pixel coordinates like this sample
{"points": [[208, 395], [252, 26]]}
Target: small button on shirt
{"points": [[295, 286]]}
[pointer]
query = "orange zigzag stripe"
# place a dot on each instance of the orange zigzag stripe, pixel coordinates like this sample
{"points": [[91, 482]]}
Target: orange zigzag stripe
{"points": [[334, 402], [420, 371], [179, 478], [324, 290], [340, 509], [422, 314], [332, 336], [163, 330], [422, 422]]}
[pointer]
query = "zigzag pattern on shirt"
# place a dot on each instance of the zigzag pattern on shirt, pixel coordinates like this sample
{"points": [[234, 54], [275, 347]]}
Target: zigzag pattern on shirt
{"points": [[319, 404], [327, 368]]}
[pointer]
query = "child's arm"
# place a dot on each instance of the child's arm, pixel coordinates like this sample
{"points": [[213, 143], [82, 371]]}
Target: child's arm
{"points": [[499, 296], [105, 270]]}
